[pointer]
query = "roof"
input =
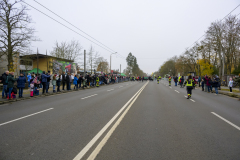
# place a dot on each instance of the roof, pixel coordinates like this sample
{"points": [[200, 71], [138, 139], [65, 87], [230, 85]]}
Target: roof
{"points": [[34, 56]]}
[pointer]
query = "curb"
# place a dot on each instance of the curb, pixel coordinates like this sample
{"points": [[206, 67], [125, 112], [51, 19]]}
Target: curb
{"points": [[230, 95], [49, 94]]}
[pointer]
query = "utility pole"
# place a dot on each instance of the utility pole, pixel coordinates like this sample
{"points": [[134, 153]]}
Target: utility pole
{"points": [[111, 61], [47, 60], [84, 63], [37, 61], [120, 69]]}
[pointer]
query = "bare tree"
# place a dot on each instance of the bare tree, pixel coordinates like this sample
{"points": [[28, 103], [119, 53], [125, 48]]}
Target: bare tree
{"points": [[102, 64], [92, 58], [64, 50], [15, 32]]}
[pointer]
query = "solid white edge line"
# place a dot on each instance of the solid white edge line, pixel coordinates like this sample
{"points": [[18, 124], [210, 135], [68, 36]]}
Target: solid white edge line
{"points": [[226, 120], [25, 116], [95, 152], [99, 134]]}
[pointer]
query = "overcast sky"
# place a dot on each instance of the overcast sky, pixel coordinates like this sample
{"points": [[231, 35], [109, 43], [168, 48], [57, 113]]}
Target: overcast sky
{"points": [[152, 30]]}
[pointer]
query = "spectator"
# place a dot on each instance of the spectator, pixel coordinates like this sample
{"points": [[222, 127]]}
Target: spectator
{"points": [[181, 81], [199, 81], [68, 80], [5, 83], [10, 80], [216, 84], [175, 80], [210, 83], [21, 84], [54, 81], [44, 81], [31, 88], [29, 78], [230, 84], [79, 82], [202, 84], [48, 81], [58, 79], [75, 82], [63, 79], [71, 80]]}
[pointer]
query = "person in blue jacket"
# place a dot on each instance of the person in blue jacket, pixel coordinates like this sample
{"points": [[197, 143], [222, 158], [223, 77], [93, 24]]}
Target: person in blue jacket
{"points": [[44, 77], [29, 78], [75, 82], [21, 84]]}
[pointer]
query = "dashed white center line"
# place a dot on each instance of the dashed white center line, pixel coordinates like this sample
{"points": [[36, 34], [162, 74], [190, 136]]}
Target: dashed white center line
{"points": [[110, 90], [192, 100], [176, 91], [89, 96], [226, 121], [170, 87], [25, 116]]}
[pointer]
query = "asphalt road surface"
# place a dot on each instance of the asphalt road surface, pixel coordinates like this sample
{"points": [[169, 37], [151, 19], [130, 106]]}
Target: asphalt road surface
{"points": [[125, 121]]}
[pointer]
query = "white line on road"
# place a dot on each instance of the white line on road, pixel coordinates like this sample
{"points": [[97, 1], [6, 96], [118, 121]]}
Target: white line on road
{"points": [[100, 133], [120, 86], [192, 100], [25, 116], [89, 96], [110, 132], [170, 87], [226, 121], [110, 90], [176, 91]]}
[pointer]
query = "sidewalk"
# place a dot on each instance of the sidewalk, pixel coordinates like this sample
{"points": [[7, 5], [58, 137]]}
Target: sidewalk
{"points": [[26, 93]]}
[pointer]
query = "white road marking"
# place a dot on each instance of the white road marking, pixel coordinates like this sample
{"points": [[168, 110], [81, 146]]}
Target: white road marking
{"points": [[110, 90], [170, 87], [185, 96], [100, 133], [25, 116], [110, 132], [89, 96], [226, 120], [192, 100], [120, 86], [176, 91]]}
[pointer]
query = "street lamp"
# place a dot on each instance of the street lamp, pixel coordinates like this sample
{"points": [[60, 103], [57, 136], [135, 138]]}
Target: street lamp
{"points": [[111, 60]]}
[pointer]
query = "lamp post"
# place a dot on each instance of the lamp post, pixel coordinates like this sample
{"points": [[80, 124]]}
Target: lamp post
{"points": [[111, 60]]}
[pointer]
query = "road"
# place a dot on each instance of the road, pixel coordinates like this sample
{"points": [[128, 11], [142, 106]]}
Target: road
{"points": [[125, 121]]}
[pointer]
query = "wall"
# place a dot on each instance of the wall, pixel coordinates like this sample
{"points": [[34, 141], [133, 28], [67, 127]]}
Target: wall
{"points": [[42, 64]]}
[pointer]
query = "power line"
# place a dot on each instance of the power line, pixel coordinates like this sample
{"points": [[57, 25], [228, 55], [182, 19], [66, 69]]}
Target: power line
{"points": [[69, 28], [220, 21], [66, 26], [75, 26]]}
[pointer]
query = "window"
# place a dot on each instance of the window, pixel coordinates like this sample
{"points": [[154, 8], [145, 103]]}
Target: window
{"points": [[26, 62]]}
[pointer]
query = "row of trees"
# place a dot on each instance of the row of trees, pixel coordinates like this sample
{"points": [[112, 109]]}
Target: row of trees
{"points": [[133, 67], [217, 54]]}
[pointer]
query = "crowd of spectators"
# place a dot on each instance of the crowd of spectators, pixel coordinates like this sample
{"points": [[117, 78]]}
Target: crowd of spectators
{"points": [[35, 82]]}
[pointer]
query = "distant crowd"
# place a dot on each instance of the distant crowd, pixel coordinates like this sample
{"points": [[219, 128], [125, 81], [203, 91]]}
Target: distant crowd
{"points": [[207, 83], [37, 81]]}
